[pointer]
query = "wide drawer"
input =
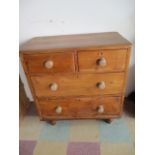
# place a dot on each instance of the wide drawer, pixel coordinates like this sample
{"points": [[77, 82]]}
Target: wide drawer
{"points": [[86, 107], [76, 85], [50, 62], [102, 61]]}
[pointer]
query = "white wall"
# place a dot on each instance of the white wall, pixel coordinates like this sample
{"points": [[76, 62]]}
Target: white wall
{"points": [[57, 17]]}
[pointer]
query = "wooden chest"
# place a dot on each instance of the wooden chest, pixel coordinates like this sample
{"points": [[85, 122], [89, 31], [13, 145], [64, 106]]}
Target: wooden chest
{"points": [[77, 76]]}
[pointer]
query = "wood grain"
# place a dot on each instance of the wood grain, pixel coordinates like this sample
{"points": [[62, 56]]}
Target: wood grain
{"points": [[106, 40], [76, 72], [115, 60], [81, 84], [81, 107], [63, 62]]}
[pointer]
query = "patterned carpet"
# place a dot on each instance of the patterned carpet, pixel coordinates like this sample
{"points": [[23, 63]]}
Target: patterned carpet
{"points": [[77, 137]]}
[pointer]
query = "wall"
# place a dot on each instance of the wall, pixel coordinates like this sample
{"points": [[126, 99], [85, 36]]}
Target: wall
{"points": [[57, 17]]}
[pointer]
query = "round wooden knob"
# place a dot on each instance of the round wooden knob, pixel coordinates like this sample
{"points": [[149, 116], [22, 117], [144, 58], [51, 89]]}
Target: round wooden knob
{"points": [[100, 85], [54, 86], [100, 109], [101, 62], [58, 110], [49, 64]]}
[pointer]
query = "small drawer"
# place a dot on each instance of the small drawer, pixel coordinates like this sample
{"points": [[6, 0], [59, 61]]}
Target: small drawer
{"points": [[87, 107], [102, 61], [50, 62], [76, 85]]}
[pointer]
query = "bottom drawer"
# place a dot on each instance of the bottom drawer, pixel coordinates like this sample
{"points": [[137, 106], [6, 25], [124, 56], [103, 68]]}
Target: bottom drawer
{"points": [[83, 107]]}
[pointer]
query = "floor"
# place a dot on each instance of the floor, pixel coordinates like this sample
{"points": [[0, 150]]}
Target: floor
{"points": [[78, 137]]}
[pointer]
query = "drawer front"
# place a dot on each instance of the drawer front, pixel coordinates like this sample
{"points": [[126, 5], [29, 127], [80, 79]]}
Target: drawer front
{"points": [[81, 107], [83, 84], [50, 63], [102, 61]]}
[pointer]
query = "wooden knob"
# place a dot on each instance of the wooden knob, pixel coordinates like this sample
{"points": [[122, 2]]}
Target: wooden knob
{"points": [[58, 110], [49, 64], [100, 109], [101, 62], [53, 86], [100, 85]]}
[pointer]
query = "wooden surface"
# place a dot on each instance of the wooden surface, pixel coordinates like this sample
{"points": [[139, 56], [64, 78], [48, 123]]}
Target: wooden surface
{"points": [[82, 84], [115, 60], [85, 107], [107, 39], [24, 102], [62, 62], [77, 74]]}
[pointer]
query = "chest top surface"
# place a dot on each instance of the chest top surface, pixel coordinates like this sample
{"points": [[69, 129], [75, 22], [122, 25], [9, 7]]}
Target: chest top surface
{"points": [[92, 40]]}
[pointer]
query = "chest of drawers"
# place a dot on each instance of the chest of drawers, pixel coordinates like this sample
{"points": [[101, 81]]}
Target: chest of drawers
{"points": [[77, 76]]}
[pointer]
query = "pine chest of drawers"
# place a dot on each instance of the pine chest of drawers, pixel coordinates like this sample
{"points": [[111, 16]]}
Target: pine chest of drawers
{"points": [[77, 76]]}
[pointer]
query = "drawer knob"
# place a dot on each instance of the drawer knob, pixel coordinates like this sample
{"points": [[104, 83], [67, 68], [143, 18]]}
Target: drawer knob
{"points": [[58, 110], [54, 86], [100, 85], [101, 62], [100, 109], [49, 64]]}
